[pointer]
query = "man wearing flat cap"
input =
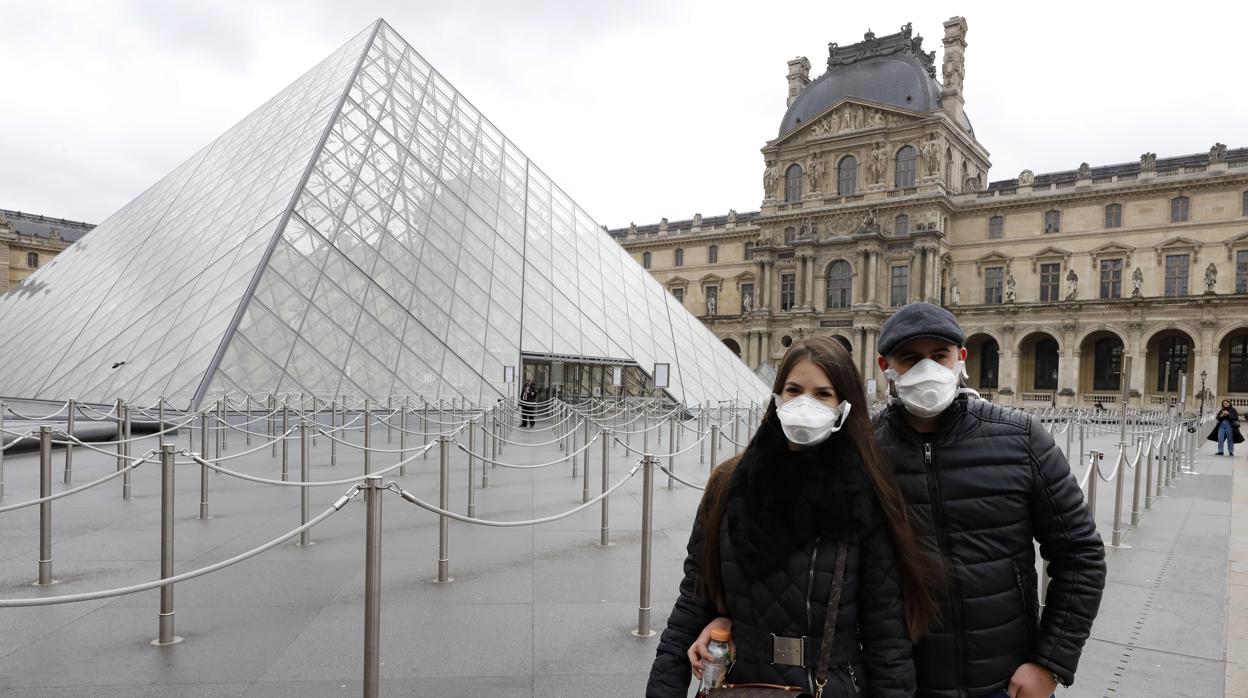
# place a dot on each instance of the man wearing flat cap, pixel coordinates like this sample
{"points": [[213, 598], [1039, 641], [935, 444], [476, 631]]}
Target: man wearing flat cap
{"points": [[981, 483]]}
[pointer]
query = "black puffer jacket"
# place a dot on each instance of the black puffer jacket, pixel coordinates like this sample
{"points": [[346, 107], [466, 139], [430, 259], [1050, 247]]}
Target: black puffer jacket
{"points": [[991, 481], [786, 514]]}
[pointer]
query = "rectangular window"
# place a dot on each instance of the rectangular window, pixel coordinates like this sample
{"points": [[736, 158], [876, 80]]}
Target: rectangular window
{"points": [[901, 225], [994, 283], [749, 251], [32, 260], [747, 298], [1243, 205], [1050, 282], [1113, 216], [1052, 221], [788, 288], [1176, 274], [996, 228], [1241, 271], [679, 295], [712, 254], [899, 291], [1111, 278], [1179, 209]]}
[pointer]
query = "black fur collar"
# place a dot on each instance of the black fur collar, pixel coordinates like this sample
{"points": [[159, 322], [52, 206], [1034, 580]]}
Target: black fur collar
{"points": [[780, 500]]}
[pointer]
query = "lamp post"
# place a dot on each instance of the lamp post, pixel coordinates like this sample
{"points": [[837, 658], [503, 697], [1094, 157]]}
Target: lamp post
{"points": [[1203, 375]]}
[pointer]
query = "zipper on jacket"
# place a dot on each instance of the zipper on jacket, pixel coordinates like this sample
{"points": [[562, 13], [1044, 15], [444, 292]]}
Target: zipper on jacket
{"points": [[810, 589], [849, 667], [1022, 595], [955, 594]]}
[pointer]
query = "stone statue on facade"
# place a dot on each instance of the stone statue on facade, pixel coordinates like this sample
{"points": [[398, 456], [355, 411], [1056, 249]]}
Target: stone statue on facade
{"points": [[663, 227], [1137, 283], [1026, 178], [955, 292], [747, 302], [1010, 291], [1148, 162], [1072, 285], [1085, 171], [815, 170], [697, 220], [808, 228], [732, 216], [712, 305], [954, 68], [932, 156], [1211, 278], [632, 228], [877, 166], [846, 119], [1217, 153], [770, 175], [869, 220]]}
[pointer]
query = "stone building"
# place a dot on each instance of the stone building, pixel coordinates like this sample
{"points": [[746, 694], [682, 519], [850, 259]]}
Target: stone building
{"points": [[29, 241], [875, 195]]}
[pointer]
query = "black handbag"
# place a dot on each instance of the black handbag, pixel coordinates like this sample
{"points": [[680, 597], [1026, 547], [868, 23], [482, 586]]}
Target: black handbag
{"points": [[769, 690]]}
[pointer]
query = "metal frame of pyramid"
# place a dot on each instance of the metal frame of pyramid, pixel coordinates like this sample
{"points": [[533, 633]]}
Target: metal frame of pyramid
{"points": [[366, 232]]}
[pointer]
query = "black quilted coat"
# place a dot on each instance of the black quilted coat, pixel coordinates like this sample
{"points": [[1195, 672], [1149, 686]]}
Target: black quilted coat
{"points": [[991, 481], [786, 513]]}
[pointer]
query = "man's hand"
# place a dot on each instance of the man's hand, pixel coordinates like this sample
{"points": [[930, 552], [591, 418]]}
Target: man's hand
{"points": [[699, 650], [1031, 681]]}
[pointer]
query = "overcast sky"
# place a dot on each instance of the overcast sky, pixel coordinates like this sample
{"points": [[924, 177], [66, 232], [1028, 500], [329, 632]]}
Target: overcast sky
{"points": [[638, 109]]}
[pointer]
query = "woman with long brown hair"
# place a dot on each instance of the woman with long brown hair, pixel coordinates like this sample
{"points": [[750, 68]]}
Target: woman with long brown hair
{"points": [[812, 486]]}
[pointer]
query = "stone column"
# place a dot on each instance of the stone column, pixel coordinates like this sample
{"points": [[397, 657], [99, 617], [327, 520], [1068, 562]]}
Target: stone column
{"points": [[873, 277], [1007, 372], [813, 276], [872, 369], [1205, 359], [800, 281], [1069, 371], [765, 291], [860, 267], [764, 347]]}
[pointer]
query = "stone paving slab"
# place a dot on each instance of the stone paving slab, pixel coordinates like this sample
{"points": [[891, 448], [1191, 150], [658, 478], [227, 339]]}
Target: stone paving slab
{"points": [[533, 611]]}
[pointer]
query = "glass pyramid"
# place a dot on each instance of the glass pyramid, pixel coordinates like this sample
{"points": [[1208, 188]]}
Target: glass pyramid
{"points": [[366, 232]]}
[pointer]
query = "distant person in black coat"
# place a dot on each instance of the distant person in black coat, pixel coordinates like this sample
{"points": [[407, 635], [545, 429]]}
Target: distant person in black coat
{"points": [[1227, 429], [528, 395]]}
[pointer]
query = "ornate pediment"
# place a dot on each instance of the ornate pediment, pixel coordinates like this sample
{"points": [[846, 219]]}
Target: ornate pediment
{"points": [[677, 282], [1238, 242], [1178, 245], [711, 280], [848, 116], [1111, 250], [992, 259], [1049, 254]]}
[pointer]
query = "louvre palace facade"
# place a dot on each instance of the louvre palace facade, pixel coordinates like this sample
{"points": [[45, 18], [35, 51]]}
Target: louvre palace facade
{"points": [[876, 195]]}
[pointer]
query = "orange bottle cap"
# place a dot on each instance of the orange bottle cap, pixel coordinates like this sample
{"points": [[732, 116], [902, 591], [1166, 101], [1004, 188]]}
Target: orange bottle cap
{"points": [[720, 635]]}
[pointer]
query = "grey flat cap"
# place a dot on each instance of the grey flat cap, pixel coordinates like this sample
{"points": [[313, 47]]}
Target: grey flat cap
{"points": [[919, 320]]}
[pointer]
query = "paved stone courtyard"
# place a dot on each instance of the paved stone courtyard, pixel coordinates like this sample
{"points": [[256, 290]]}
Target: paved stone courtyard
{"points": [[532, 611]]}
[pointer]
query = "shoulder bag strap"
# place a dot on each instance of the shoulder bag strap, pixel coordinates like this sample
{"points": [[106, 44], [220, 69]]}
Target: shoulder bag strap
{"points": [[829, 623]]}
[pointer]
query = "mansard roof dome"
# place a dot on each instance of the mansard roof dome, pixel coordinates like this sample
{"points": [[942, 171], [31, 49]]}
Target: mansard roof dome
{"points": [[891, 70]]}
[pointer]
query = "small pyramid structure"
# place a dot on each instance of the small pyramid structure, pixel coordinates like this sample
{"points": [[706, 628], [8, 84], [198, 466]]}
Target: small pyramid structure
{"points": [[366, 232]]}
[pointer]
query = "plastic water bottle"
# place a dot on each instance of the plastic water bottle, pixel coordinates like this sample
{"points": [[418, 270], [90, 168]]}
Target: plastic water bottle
{"points": [[714, 669]]}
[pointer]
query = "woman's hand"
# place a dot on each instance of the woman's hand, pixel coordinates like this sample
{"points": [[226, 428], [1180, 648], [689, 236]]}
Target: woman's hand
{"points": [[699, 650]]}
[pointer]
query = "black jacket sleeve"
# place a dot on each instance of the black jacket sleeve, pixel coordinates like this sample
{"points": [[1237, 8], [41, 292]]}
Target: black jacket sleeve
{"points": [[1074, 553], [670, 673], [886, 646]]}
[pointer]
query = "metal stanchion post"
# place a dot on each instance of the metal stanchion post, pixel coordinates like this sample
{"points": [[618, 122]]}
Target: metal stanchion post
{"points": [[1118, 488], [701, 431], [166, 636], [585, 470], [1148, 473], [272, 422], [472, 468], [424, 427], [203, 470], [3, 407], [585, 442], [45, 508], [403, 438], [572, 449], [315, 422], [489, 422], [368, 438], [372, 586], [121, 433], [305, 474], [247, 408], [389, 420], [671, 443], [127, 425], [714, 439], [605, 535], [285, 437], [333, 424], [69, 445], [223, 427], [647, 525], [444, 502], [1094, 477]]}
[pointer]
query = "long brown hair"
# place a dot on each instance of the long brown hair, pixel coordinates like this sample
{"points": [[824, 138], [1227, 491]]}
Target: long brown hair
{"points": [[920, 571]]}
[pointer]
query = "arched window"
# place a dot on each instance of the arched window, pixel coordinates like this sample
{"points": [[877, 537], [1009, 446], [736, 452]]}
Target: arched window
{"points": [[901, 225], [712, 254], [1175, 350], [840, 285], [996, 227], [989, 362], [1113, 216], [32, 260], [905, 167], [847, 176], [680, 257], [949, 183], [1179, 209], [793, 183], [645, 260], [1237, 365], [1046, 365], [1106, 363]]}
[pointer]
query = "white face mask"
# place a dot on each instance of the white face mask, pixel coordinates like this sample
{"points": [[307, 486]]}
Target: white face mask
{"points": [[809, 422], [927, 388]]}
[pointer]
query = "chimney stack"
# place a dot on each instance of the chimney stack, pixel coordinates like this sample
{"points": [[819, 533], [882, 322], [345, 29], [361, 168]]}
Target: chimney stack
{"points": [[799, 77], [954, 69]]}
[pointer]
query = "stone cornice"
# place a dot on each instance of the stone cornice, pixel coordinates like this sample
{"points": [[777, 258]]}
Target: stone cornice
{"points": [[1109, 193]]}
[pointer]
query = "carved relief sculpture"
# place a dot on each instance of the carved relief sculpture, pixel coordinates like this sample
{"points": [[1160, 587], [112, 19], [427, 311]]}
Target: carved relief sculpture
{"points": [[877, 166], [955, 292], [932, 156], [1026, 178], [1217, 153], [1148, 162], [1085, 172], [1211, 279], [954, 68], [1072, 285], [1137, 283]]}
